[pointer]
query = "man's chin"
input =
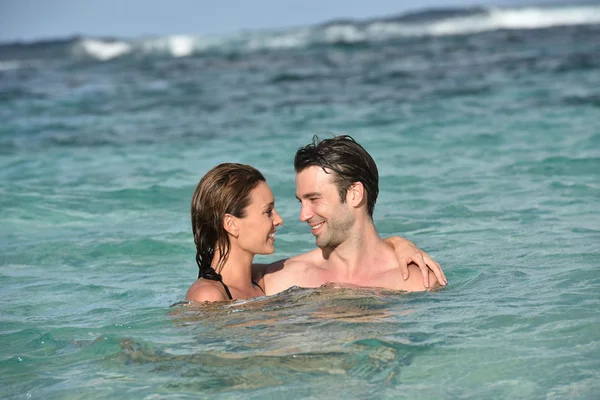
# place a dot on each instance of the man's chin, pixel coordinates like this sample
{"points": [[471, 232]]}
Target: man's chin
{"points": [[322, 244]]}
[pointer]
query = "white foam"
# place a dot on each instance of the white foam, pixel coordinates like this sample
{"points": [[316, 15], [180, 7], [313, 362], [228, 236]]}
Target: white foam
{"points": [[289, 39], [177, 45], [344, 33], [522, 18], [493, 19], [531, 18], [104, 50], [181, 45]]}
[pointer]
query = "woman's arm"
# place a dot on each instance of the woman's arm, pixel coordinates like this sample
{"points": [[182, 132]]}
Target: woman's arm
{"points": [[407, 253]]}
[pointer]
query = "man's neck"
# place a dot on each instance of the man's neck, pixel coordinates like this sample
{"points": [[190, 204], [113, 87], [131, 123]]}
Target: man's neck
{"points": [[357, 256]]}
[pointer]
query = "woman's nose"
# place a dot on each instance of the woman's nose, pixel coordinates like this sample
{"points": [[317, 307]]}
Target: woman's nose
{"points": [[277, 220]]}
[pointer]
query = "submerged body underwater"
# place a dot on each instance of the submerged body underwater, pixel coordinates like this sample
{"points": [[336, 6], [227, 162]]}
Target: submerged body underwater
{"points": [[487, 141]]}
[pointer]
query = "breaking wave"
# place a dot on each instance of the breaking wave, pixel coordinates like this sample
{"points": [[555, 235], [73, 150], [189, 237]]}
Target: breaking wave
{"points": [[426, 23], [101, 50]]}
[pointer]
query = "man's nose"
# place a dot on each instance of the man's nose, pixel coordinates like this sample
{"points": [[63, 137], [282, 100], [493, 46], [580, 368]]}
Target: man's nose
{"points": [[305, 213]]}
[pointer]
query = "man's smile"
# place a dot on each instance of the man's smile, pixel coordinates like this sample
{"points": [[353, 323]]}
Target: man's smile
{"points": [[315, 227]]}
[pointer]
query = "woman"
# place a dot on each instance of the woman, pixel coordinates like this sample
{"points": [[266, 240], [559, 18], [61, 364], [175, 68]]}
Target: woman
{"points": [[233, 219]]}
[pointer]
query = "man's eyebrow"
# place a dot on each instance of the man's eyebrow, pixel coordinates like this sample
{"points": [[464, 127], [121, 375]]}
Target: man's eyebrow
{"points": [[309, 195]]}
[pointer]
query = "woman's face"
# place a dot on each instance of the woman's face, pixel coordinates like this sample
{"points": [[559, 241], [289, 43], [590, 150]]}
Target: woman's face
{"points": [[257, 228]]}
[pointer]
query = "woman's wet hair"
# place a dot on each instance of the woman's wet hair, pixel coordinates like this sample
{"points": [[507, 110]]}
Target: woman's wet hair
{"points": [[225, 189], [347, 160]]}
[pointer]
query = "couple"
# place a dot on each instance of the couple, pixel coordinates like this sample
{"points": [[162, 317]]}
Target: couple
{"points": [[234, 218]]}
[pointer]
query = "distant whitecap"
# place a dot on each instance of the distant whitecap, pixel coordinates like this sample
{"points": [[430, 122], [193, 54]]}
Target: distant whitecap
{"points": [[522, 18], [432, 23], [104, 50], [181, 45]]}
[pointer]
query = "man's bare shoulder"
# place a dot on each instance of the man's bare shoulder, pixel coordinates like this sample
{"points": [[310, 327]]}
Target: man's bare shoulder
{"points": [[295, 271], [206, 290], [310, 259]]}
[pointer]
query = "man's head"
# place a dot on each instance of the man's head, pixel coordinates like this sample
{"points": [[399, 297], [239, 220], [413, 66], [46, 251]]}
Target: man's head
{"points": [[334, 178], [346, 160]]}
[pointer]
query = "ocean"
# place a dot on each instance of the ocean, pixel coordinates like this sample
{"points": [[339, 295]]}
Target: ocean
{"points": [[484, 123]]}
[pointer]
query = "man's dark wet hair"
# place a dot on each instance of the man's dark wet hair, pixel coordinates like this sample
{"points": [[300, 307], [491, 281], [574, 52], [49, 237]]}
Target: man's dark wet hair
{"points": [[348, 161]]}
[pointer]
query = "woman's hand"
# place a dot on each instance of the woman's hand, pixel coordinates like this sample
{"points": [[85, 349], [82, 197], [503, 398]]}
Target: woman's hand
{"points": [[407, 253]]}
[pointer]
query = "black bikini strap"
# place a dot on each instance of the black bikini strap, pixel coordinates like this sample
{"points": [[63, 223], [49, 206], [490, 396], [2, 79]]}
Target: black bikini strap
{"points": [[229, 293], [226, 290], [256, 284]]}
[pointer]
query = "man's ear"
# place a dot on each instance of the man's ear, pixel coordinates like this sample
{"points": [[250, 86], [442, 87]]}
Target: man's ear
{"points": [[230, 225], [356, 194]]}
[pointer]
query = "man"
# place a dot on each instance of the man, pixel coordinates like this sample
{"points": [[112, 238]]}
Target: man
{"points": [[337, 186]]}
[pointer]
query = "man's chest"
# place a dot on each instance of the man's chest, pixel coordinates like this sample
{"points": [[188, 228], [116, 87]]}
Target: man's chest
{"points": [[391, 279]]}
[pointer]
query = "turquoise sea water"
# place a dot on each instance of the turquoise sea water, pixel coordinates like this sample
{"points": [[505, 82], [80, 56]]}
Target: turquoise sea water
{"points": [[487, 139]]}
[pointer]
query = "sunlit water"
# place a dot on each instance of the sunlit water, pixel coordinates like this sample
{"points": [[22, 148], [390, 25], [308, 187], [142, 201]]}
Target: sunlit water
{"points": [[488, 146]]}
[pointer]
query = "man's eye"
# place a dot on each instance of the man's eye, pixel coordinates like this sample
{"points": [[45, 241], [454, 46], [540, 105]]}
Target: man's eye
{"points": [[269, 212]]}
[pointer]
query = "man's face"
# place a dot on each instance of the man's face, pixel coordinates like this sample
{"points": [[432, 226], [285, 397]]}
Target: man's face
{"points": [[330, 219]]}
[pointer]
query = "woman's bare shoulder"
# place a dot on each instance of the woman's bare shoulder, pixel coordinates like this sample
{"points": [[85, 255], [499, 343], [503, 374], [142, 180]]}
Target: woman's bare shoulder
{"points": [[206, 290]]}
